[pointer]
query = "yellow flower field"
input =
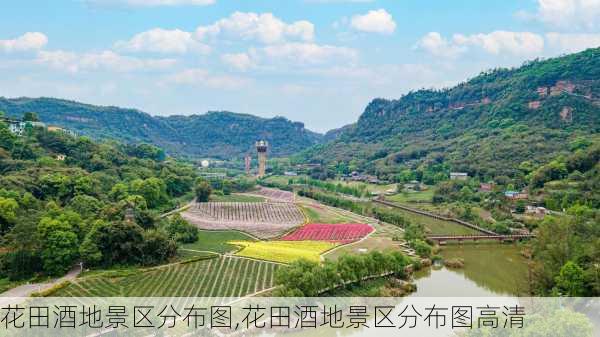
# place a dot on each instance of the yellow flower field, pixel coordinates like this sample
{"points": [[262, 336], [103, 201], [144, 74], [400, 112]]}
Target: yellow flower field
{"points": [[283, 251]]}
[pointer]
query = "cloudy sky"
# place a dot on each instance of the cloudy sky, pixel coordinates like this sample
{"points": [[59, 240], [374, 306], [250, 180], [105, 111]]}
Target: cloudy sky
{"points": [[315, 61]]}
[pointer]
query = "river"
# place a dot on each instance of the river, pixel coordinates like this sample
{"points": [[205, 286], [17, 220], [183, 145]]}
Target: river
{"points": [[490, 270]]}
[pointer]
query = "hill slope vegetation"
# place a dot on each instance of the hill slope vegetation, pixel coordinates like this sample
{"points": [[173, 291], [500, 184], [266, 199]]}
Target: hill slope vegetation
{"points": [[218, 134], [496, 124]]}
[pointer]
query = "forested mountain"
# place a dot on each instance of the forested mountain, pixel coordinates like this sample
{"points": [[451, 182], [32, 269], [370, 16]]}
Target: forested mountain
{"points": [[215, 134], [499, 123]]}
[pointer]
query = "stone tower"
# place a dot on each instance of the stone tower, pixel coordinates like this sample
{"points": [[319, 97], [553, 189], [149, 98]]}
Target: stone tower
{"points": [[261, 147], [248, 162]]}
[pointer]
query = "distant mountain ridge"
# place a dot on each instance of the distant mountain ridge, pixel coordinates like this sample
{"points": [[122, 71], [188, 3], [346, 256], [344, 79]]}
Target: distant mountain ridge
{"points": [[486, 126], [218, 134]]}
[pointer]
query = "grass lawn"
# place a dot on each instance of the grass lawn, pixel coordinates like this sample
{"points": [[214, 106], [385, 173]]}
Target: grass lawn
{"points": [[369, 244], [6, 284], [436, 226], [216, 241], [283, 180], [236, 198], [412, 197], [319, 214]]}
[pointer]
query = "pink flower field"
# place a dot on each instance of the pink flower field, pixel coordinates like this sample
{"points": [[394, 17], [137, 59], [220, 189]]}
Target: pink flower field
{"points": [[339, 233]]}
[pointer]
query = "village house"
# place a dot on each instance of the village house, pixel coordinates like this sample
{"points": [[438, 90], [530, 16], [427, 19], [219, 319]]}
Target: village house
{"points": [[486, 187], [514, 195], [355, 176], [18, 127], [533, 105], [562, 86], [290, 174], [60, 157], [412, 185], [536, 211], [542, 91], [54, 128], [458, 176]]}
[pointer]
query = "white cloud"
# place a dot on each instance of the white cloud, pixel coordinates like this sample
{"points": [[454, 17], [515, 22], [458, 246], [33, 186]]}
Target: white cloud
{"points": [[203, 78], [105, 60], [159, 40], [306, 53], [265, 28], [496, 43], [499, 42], [435, 44], [240, 61], [150, 3], [569, 13], [375, 21], [26, 42], [572, 43]]}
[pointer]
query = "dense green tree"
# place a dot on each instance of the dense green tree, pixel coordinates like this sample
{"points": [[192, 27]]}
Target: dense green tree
{"points": [[180, 230], [156, 247], [570, 280], [202, 191], [119, 243], [30, 117], [59, 245], [153, 190], [8, 213], [87, 206]]}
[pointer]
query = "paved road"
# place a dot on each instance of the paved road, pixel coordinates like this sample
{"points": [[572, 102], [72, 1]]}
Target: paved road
{"points": [[26, 290]]}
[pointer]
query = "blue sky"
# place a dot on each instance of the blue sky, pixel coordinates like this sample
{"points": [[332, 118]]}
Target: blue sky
{"points": [[315, 61]]}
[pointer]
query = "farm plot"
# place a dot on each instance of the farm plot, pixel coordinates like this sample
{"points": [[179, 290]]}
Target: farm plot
{"points": [[264, 220], [283, 251], [217, 277], [339, 233], [274, 194]]}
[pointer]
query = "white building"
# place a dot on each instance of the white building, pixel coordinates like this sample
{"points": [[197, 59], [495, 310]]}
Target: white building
{"points": [[458, 176], [18, 127]]}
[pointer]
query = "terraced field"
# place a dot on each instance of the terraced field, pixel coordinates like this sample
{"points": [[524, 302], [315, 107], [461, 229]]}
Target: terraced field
{"points": [[217, 277], [284, 251], [274, 194], [264, 220]]}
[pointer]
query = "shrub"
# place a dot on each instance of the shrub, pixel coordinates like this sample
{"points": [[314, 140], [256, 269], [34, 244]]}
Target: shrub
{"points": [[180, 230]]}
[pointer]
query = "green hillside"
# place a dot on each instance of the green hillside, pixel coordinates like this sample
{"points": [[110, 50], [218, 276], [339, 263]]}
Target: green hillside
{"points": [[496, 124], [215, 134], [65, 199]]}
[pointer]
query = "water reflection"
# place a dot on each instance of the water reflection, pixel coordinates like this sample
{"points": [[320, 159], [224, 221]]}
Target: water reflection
{"points": [[490, 270]]}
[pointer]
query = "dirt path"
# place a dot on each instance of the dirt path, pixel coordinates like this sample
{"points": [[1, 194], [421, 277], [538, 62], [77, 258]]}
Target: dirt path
{"points": [[26, 290]]}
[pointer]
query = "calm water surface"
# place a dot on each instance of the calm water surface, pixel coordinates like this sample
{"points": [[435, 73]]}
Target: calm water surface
{"points": [[490, 270]]}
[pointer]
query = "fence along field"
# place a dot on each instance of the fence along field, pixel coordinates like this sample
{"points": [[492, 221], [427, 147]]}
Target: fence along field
{"points": [[339, 233], [217, 277], [264, 220]]}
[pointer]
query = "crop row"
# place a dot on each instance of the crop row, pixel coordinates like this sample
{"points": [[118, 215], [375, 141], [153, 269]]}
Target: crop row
{"points": [[265, 220], [218, 277], [275, 194], [340, 233]]}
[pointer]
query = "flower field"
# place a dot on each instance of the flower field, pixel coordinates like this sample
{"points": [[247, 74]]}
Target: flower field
{"points": [[339, 233], [283, 251], [217, 277], [264, 220]]}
